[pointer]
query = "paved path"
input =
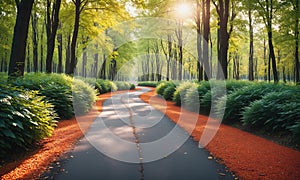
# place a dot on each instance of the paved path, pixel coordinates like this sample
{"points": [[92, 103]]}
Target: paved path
{"points": [[131, 140]]}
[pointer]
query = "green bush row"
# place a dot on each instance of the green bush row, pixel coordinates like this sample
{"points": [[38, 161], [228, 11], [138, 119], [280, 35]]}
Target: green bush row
{"points": [[62, 91], [148, 83], [267, 106]]}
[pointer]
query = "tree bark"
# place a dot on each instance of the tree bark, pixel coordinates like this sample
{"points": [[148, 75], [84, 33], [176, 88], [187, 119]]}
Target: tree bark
{"points": [[59, 49], [223, 37], [199, 43], [18, 50], [206, 33], [51, 26], [73, 62], [68, 54], [297, 65], [251, 49], [34, 41]]}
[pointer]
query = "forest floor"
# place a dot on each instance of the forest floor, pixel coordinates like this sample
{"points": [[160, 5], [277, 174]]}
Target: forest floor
{"points": [[245, 154]]}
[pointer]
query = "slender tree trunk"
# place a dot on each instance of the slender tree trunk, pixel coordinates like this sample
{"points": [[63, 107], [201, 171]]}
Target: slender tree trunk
{"points": [[18, 50], [199, 44], [297, 64], [28, 58], [34, 41], [272, 57], [59, 49], [180, 48], [51, 26], [265, 62], [68, 54], [251, 49], [96, 59], [206, 33], [84, 61], [73, 62], [170, 56], [103, 68]]}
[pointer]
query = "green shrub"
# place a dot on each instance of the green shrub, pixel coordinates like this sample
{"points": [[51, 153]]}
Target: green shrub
{"points": [[123, 85], [277, 111], [181, 90], [162, 86], [84, 96], [191, 98], [132, 86], [56, 88], [238, 100], [219, 94], [148, 83], [169, 92], [25, 118], [104, 86]]}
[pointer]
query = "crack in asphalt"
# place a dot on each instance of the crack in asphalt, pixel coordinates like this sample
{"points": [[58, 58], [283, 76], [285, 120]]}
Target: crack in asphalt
{"points": [[137, 142]]}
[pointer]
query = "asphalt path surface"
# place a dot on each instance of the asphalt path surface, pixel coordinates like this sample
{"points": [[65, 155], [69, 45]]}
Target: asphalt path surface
{"points": [[132, 140]]}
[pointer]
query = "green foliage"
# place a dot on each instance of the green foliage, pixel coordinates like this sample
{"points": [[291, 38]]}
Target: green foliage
{"points": [[191, 98], [148, 83], [162, 86], [84, 96], [169, 92], [132, 86], [57, 89], [25, 119], [217, 94], [277, 111], [238, 100], [121, 85], [104, 86], [181, 91]]}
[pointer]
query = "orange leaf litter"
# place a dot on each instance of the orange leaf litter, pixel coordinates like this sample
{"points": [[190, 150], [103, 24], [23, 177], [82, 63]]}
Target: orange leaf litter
{"points": [[247, 155]]}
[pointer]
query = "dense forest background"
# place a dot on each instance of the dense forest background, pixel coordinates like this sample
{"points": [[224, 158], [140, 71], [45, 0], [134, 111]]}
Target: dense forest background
{"points": [[254, 40]]}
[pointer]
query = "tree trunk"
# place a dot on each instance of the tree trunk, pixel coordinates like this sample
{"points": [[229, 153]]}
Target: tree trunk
{"points": [[297, 64], [265, 61], [68, 54], [28, 58], [272, 57], [103, 67], [59, 49], [73, 62], [96, 59], [251, 49], [199, 44], [51, 26], [223, 38], [170, 56], [18, 50], [34, 41], [206, 32]]}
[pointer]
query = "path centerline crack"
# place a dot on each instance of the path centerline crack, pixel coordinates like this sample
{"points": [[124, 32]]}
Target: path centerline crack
{"points": [[137, 142]]}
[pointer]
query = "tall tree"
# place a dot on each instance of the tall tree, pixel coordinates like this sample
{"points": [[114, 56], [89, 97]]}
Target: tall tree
{"points": [[266, 10], [51, 29], [222, 7], [18, 50], [296, 35], [251, 49]]}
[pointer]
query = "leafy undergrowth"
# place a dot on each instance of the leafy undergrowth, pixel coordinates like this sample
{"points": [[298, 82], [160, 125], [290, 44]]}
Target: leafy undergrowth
{"points": [[265, 108]]}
